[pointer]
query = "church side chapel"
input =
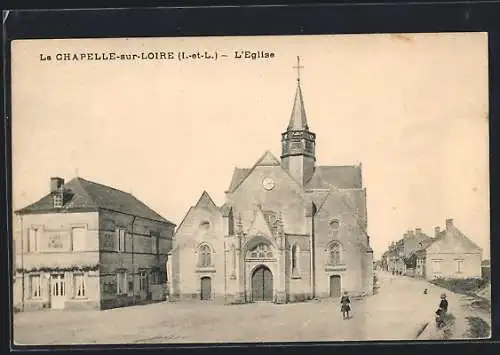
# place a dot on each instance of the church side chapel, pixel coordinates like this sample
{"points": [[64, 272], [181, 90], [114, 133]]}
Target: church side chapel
{"points": [[290, 230]]}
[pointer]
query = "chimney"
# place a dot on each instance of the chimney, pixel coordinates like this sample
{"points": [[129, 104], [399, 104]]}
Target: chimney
{"points": [[410, 233], [418, 231], [55, 183], [436, 231], [449, 223]]}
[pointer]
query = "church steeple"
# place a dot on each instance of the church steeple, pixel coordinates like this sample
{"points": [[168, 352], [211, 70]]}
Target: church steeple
{"points": [[298, 143], [298, 119]]}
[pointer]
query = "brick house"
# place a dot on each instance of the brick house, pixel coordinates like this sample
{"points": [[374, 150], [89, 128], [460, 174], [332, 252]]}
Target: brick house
{"points": [[450, 254], [289, 230], [89, 246]]}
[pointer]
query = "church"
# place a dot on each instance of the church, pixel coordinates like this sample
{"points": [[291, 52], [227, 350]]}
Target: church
{"points": [[290, 230]]}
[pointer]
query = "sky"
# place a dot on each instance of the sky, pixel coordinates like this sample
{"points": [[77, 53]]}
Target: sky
{"points": [[412, 108]]}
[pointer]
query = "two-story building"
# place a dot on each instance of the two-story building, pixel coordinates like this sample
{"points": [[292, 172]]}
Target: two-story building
{"points": [[85, 245]]}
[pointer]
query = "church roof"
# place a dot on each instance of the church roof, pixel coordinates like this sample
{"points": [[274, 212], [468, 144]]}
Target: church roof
{"points": [[267, 159], [324, 177], [298, 119], [85, 195], [239, 175], [343, 177], [206, 201]]}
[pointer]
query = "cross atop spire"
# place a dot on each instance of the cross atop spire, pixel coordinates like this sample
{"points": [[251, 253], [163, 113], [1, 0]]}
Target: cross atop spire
{"points": [[298, 143], [298, 67]]}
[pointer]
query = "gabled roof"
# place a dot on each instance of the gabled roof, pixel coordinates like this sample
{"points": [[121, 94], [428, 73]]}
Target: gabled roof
{"points": [[205, 201], [226, 209], [451, 233], [267, 159], [238, 176], [298, 119], [81, 194], [261, 222], [342, 177]]}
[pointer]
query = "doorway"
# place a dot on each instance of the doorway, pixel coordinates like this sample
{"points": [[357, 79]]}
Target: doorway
{"points": [[335, 287], [206, 288], [57, 291], [262, 284]]}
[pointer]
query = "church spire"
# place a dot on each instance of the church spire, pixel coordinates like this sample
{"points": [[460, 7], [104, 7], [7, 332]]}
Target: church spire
{"points": [[298, 143], [298, 119]]}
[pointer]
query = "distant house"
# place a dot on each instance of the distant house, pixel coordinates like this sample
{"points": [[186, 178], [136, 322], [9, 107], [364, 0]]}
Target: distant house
{"points": [[392, 257], [89, 246], [450, 254], [411, 243], [384, 261], [399, 258]]}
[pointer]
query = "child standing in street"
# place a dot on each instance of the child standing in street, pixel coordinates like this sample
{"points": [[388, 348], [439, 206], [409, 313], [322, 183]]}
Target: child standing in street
{"points": [[441, 312], [345, 305]]}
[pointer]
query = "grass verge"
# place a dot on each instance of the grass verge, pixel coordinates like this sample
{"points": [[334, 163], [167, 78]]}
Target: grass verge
{"points": [[478, 328], [463, 286]]}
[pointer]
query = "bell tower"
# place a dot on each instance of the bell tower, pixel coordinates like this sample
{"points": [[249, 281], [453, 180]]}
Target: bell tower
{"points": [[298, 144]]}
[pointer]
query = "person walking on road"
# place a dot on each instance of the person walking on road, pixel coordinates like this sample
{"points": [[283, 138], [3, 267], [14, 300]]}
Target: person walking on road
{"points": [[345, 306]]}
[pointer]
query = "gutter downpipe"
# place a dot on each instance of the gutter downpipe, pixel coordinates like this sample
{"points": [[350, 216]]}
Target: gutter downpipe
{"points": [[133, 266], [22, 261]]}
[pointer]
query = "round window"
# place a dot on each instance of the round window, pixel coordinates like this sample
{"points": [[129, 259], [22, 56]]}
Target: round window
{"points": [[205, 225], [334, 224]]}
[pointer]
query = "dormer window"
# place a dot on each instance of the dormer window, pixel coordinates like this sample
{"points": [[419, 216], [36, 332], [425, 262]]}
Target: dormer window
{"points": [[59, 198]]}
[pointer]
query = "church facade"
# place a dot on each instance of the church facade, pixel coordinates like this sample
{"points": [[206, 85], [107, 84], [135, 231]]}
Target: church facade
{"points": [[289, 230]]}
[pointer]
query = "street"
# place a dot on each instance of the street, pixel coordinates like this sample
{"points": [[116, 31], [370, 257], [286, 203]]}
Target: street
{"points": [[398, 311]]}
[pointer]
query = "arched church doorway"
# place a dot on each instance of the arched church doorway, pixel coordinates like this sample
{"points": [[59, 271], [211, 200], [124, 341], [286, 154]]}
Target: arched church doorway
{"points": [[262, 284], [206, 288], [335, 286]]}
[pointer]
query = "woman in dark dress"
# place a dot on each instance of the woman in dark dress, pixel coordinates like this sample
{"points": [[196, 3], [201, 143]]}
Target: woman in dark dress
{"points": [[345, 306]]}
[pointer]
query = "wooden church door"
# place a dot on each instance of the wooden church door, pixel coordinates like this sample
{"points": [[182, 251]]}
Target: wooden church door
{"points": [[335, 286], [262, 284], [206, 288]]}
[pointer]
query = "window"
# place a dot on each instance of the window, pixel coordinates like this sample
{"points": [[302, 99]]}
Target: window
{"points": [[78, 235], [35, 286], [460, 264], [58, 285], [204, 226], [58, 199], [294, 257], [33, 238], [233, 256], [155, 242], [143, 281], [121, 240], [158, 277], [121, 283], [204, 258], [79, 286], [334, 254], [295, 261], [334, 225]]}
